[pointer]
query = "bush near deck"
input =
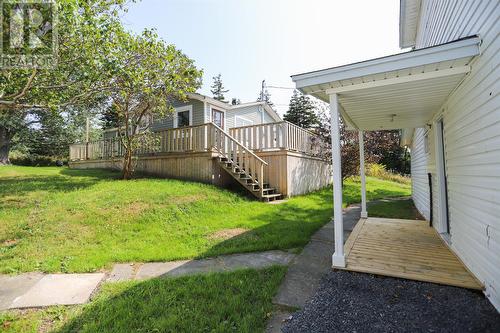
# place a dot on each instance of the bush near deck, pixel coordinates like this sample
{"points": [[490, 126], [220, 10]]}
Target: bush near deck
{"points": [[64, 220]]}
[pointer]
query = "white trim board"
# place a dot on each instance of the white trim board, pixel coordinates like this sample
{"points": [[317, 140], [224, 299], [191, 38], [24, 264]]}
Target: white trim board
{"points": [[247, 121], [463, 48], [211, 107], [183, 109], [402, 79]]}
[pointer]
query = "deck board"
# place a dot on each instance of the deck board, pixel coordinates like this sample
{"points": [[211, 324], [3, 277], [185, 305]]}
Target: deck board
{"points": [[407, 249]]}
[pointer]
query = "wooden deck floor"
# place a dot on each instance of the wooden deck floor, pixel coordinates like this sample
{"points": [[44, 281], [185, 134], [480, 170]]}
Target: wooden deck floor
{"points": [[407, 249]]}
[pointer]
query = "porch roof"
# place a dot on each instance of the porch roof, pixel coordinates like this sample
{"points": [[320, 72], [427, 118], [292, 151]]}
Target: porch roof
{"points": [[398, 91]]}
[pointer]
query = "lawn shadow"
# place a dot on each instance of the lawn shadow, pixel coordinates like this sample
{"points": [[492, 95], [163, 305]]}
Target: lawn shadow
{"points": [[75, 180], [236, 302]]}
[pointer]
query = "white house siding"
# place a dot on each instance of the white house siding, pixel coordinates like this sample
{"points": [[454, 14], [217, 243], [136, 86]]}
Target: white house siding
{"points": [[472, 135], [252, 113], [420, 188]]}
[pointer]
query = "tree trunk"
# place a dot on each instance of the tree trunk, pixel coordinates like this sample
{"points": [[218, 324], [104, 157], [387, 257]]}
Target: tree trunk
{"points": [[127, 165], [5, 140]]}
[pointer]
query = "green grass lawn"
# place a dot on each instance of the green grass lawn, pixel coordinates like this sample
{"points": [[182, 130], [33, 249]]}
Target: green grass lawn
{"points": [[63, 220], [401, 209], [222, 302]]}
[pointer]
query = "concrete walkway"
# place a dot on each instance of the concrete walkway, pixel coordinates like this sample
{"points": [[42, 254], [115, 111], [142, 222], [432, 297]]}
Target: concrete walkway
{"points": [[307, 269], [38, 290], [223, 263]]}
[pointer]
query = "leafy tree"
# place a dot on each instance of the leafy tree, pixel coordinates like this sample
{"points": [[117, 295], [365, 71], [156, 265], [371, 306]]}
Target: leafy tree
{"points": [[378, 144], [301, 111], [84, 29], [217, 88], [144, 75]]}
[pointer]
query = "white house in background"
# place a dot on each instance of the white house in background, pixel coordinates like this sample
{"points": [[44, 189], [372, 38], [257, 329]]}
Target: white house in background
{"points": [[444, 93]]}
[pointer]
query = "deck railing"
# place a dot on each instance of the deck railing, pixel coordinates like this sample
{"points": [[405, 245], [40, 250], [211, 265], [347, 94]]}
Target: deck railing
{"points": [[265, 137], [184, 139], [280, 135]]}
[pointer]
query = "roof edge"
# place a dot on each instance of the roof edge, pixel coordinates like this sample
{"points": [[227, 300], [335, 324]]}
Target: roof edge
{"points": [[460, 48]]}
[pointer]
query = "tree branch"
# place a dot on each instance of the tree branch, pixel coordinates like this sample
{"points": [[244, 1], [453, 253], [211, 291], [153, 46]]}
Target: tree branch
{"points": [[25, 88]]}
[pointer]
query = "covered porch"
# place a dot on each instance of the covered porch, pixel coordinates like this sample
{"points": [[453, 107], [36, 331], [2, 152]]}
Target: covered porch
{"points": [[399, 92]]}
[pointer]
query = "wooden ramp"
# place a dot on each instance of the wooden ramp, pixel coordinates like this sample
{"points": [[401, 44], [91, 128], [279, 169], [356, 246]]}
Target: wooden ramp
{"points": [[407, 249]]}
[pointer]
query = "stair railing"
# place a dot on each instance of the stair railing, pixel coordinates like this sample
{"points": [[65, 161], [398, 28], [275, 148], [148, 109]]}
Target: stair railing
{"points": [[239, 155]]}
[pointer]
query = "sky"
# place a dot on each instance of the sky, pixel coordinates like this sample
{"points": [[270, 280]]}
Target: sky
{"points": [[248, 41]]}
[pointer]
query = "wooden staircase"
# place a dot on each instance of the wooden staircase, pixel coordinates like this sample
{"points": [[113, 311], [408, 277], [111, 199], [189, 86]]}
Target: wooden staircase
{"points": [[243, 165]]}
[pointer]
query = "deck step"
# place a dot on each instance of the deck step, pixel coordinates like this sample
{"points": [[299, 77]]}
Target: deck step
{"points": [[271, 197], [247, 180], [269, 189]]}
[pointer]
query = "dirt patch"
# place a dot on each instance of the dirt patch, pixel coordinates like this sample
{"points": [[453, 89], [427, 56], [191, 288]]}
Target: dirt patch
{"points": [[188, 198], [227, 233], [10, 242], [136, 208], [13, 202]]}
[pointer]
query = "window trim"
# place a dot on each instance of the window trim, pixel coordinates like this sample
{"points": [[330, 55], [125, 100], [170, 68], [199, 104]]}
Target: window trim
{"points": [[220, 110], [183, 109], [236, 118]]}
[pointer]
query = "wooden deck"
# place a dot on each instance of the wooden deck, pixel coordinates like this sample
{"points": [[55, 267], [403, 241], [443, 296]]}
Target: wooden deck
{"points": [[407, 249]]}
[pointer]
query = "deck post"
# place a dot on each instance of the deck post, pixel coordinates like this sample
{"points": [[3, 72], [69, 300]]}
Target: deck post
{"points": [[338, 258], [364, 212]]}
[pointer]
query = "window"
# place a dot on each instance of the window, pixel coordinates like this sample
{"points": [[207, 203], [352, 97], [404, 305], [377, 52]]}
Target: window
{"points": [[240, 121], [183, 116], [218, 118]]}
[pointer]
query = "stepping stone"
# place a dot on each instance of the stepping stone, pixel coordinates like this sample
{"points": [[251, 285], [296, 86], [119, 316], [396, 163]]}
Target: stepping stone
{"points": [[121, 272], [11, 287], [59, 289], [256, 260], [178, 268], [220, 264]]}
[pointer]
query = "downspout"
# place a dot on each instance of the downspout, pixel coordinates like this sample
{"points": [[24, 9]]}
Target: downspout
{"points": [[429, 176]]}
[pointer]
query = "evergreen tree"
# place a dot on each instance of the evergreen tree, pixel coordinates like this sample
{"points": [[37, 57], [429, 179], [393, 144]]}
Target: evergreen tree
{"points": [[301, 111], [109, 117], [51, 135], [217, 88]]}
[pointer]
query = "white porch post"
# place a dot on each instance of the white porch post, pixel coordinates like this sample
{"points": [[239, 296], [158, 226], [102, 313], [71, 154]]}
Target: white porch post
{"points": [[364, 212], [338, 258]]}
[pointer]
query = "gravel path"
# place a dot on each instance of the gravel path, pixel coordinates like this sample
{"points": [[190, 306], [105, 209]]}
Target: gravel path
{"points": [[354, 302]]}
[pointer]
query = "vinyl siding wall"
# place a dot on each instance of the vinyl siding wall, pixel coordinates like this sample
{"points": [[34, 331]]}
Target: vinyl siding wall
{"points": [[251, 113], [168, 122], [471, 118], [420, 188]]}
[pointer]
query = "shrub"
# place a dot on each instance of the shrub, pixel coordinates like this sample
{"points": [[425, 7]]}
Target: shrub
{"points": [[379, 171], [19, 158]]}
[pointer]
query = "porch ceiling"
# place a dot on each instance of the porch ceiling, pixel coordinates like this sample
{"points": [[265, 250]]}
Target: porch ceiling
{"points": [[398, 91]]}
